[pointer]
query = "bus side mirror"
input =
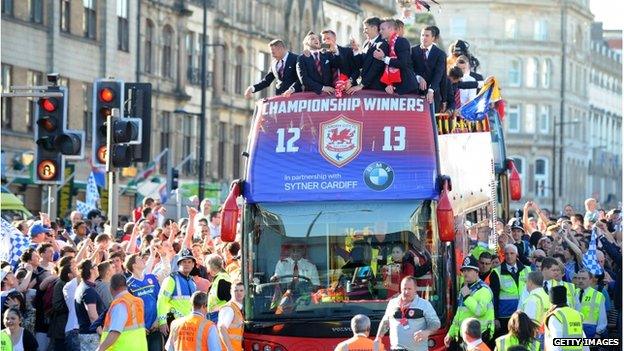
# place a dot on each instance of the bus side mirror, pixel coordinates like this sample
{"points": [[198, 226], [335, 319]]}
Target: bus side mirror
{"points": [[229, 213], [515, 183], [444, 212]]}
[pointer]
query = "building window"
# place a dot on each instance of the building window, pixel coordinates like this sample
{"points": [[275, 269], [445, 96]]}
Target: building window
{"points": [[513, 124], [544, 119], [87, 113], [149, 33], [222, 138], [458, 27], [89, 19], [33, 78], [532, 72], [547, 73], [165, 136], [540, 30], [529, 118], [264, 62], [236, 151], [515, 73], [224, 69], [65, 15], [193, 57], [238, 71], [7, 103], [187, 134], [541, 177], [36, 11], [122, 25], [167, 72], [7, 7], [511, 28]]}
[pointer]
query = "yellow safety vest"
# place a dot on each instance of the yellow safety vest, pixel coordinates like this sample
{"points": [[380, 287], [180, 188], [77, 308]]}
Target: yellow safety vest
{"points": [[572, 323], [506, 341], [541, 300], [590, 306], [570, 293], [5, 341], [214, 304], [509, 294]]}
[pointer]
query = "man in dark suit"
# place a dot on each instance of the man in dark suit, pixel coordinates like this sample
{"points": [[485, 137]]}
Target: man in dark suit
{"points": [[403, 61], [430, 66], [346, 62], [315, 71], [367, 66], [283, 70]]}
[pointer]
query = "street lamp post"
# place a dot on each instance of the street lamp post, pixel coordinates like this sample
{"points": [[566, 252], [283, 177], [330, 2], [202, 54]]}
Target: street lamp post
{"points": [[554, 151]]}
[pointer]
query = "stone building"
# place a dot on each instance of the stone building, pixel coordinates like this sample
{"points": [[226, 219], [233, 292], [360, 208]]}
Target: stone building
{"points": [[539, 51], [605, 119]]}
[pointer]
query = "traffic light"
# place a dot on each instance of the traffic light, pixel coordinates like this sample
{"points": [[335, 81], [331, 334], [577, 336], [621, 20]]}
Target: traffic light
{"points": [[139, 105], [174, 177], [124, 133], [107, 95], [55, 143]]}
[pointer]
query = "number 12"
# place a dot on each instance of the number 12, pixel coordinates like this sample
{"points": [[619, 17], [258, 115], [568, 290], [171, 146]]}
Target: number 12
{"points": [[290, 145]]}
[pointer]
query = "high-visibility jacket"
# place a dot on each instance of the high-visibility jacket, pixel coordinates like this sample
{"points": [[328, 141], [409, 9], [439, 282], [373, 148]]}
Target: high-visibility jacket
{"points": [[175, 296], [503, 343], [5, 341], [572, 323], [570, 293], [479, 249], [541, 301], [359, 342], [590, 309], [133, 336], [189, 333], [214, 303], [235, 330], [509, 293], [477, 305]]}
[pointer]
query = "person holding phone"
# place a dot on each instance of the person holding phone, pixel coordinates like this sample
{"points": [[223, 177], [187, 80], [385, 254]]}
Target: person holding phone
{"points": [[315, 70]]}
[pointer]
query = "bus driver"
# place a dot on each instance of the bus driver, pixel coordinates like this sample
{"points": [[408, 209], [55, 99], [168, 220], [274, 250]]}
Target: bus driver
{"points": [[295, 266]]}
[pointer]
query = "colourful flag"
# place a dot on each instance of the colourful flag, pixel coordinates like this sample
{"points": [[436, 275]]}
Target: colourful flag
{"points": [[590, 258], [83, 207], [150, 170], [163, 192], [477, 108], [93, 195], [99, 174], [14, 243]]}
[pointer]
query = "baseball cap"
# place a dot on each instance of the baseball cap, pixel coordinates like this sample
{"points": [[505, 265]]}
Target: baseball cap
{"points": [[37, 228]]}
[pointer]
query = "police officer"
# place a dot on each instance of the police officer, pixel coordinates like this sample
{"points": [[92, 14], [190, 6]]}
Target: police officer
{"points": [[562, 321], [474, 301], [194, 332], [175, 292], [295, 266], [592, 305], [507, 283], [124, 325]]}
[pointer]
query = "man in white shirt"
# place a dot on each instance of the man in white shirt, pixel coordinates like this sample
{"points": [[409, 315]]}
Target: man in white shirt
{"points": [[295, 266], [230, 315], [554, 327], [536, 303]]}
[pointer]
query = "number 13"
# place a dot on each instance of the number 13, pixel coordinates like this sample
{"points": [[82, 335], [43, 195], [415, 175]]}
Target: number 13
{"points": [[399, 138]]}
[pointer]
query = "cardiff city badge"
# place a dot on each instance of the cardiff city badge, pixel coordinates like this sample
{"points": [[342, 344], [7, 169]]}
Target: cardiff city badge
{"points": [[378, 176], [340, 140]]}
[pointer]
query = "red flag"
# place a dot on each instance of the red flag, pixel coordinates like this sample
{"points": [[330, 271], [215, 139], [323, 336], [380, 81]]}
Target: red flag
{"points": [[340, 84], [500, 108], [391, 75]]}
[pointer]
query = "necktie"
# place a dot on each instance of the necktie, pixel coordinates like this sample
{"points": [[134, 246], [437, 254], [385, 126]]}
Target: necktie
{"points": [[280, 68], [457, 98], [581, 295], [296, 269], [317, 59], [425, 52], [513, 270], [365, 49], [546, 286]]}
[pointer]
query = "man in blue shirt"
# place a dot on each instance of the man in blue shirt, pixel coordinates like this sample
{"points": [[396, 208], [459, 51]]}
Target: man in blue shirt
{"points": [[146, 287]]}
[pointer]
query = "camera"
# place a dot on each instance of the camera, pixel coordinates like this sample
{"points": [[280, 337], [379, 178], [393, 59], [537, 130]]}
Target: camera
{"points": [[325, 46]]}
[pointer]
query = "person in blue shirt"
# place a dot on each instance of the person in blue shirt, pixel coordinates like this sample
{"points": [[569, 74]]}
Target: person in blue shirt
{"points": [[146, 287]]}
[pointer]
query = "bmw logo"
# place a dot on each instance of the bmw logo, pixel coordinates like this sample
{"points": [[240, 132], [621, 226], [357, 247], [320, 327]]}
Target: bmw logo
{"points": [[378, 176]]}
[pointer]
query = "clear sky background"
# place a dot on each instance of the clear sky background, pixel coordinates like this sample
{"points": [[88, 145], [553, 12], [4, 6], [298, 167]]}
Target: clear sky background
{"points": [[609, 12]]}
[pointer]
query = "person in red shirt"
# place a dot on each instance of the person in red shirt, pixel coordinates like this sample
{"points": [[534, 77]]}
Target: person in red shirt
{"points": [[401, 267]]}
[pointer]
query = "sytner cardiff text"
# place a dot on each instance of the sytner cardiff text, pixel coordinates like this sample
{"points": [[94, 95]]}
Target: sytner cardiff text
{"points": [[407, 104]]}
